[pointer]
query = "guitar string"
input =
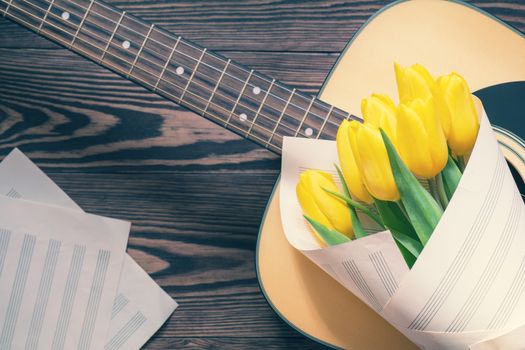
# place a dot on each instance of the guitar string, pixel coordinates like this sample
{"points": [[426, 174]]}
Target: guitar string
{"points": [[206, 88], [180, 87], [291, 129], [263, 142], [326, 107]]}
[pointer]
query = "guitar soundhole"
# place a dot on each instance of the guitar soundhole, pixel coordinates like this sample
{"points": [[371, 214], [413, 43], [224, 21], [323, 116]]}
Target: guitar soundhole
{"points": [[519, 180]]}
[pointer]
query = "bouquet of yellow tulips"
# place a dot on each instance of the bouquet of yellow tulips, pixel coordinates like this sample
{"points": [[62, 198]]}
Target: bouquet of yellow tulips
{"points": [[400, 167], [420, 218]]}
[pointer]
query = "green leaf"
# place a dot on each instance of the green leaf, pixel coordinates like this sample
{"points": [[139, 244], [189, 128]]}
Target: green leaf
{"points": [[402, 230], [357, 205], [424, 212], [451, 176], [357, 227], [410, 248], [331, 237], [394, 218]]}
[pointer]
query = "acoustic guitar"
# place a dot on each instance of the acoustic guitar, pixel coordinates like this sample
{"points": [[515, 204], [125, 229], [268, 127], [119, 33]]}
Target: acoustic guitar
{"points": [[442, 35]]}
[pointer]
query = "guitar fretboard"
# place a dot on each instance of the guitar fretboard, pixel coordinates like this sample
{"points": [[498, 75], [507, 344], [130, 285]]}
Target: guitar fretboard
{"points": [[238, 98]]}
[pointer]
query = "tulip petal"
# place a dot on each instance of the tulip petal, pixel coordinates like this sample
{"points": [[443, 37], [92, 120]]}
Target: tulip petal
{"points": [[309, 206], [413, 82], [349, 163], [421, 142], [335, 210], [424, 212], [377, 174], [455, 96]]}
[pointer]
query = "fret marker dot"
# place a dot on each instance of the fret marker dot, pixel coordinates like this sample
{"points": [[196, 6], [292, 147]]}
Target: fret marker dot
{"points": [[65, 15], [126, 44], [256, 90], [243, 117], [179, 70], [308, 132]]}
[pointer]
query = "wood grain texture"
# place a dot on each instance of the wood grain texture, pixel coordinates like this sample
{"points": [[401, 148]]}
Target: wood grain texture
{"points": [[194, 192]]}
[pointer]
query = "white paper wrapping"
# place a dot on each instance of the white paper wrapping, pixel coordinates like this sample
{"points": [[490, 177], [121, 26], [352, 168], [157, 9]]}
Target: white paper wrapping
{"points": [[467, 288]]}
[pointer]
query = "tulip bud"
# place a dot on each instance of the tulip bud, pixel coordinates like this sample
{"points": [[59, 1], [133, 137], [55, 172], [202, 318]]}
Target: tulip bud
{"points": [[454, 100], [321, 206], [413, 82], [379, 111], [421, 142], [347, 159], [374, 162]]}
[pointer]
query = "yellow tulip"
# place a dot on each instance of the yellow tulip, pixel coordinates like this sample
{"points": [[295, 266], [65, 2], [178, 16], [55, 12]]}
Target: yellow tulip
{"points": [[347, 159], [454, 101], [374, 163], [421, 142], [322, 206], [413, 82], [379, 111]]}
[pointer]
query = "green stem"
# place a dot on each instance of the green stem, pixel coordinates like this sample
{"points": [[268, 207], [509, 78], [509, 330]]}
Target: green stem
{"points": [[461, 163], [357, 205], [443, 198], [450, 177], [432, 184]]}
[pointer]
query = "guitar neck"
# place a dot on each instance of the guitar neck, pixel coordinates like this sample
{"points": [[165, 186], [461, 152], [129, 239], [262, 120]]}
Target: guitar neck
{"points": [[231, 95]]}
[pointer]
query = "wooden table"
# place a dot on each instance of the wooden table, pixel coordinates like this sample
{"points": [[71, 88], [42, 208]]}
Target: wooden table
{"points": [[194, 192]]}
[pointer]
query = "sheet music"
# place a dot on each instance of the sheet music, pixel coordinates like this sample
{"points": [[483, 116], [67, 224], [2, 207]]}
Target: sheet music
{"points": [[64, 265], [140, 306]]}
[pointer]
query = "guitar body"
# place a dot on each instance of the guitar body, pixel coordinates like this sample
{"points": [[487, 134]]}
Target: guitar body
{"points": [[443, 36]]}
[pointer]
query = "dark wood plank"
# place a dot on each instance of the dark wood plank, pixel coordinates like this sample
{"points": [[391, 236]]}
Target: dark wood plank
{"points": [[269, 25], [194, 192]]}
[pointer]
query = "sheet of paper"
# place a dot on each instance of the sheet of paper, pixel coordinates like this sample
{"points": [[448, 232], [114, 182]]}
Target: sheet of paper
{"points": [[140, 307], [64, 266], [376, 256]]}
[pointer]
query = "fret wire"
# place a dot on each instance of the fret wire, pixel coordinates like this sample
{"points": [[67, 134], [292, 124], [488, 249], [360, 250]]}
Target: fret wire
{"points": [[260, 107], [140, 49], [305, 115], [45, 15], [8, 6], [269, 118], [167, 62], [324, 123], [193, 46], [280, 117], [192, 74], [239, 97], [112, 36], [89, 55], [81, 23], [216, 86]]}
